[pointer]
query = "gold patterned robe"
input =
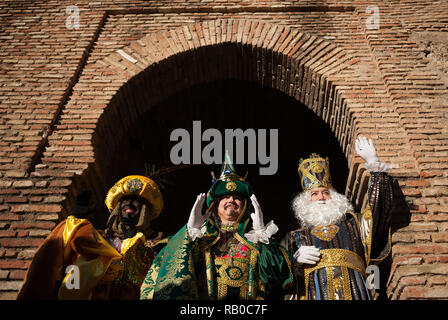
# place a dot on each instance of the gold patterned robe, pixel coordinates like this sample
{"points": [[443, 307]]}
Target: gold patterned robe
{"points": [[346, 248]]}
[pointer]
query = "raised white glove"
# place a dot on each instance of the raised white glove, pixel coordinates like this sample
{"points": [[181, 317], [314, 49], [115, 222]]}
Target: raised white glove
{"points": [[257, 216], [366, 150], [307, 254], [260, 232], [196, 218]]}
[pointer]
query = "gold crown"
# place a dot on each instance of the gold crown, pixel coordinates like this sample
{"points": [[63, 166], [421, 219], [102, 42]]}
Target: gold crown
{"points": [[314, 172], [136, 185]]}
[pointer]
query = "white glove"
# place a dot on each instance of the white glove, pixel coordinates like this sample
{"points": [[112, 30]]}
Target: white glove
{"points": [[378, 167], [196, 219], [260, 232], [366, 150], [307, 254], [257, 216]]}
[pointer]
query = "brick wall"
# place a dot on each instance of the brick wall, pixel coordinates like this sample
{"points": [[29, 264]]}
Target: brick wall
{"points": [[64, 91]]}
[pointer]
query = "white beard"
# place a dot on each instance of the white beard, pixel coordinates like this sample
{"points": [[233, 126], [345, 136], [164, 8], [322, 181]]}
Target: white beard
{"points": [[320, 213]]}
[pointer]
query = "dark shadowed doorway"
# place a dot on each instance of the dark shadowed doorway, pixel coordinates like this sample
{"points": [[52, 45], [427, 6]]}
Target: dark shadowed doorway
{"points": [[228, 104]]}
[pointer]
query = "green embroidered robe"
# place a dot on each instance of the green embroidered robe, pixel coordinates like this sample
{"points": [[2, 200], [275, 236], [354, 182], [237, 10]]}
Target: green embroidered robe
{"points": [[186, 269]]}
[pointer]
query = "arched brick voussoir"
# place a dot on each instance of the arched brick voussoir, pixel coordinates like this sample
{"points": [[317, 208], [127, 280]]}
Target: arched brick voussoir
{"points": [[280, 51]]}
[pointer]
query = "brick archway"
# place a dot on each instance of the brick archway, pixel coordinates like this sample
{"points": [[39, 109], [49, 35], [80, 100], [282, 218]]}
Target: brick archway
{"points": [[312, 70], [305, 67]]}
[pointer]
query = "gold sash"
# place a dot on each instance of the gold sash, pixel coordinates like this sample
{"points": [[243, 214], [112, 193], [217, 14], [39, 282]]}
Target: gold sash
{"points": [[336, 258]]}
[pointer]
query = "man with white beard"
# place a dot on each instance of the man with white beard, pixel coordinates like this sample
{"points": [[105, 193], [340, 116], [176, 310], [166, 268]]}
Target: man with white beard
{"points": [[334, 245]]}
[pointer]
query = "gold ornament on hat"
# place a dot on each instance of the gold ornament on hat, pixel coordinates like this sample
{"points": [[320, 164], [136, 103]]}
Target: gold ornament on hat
{"points": [[231, 186], [136, 185], [314, 172]]}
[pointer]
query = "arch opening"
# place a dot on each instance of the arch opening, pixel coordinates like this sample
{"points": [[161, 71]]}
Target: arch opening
{"points": [[215, 75], [225, 104]]}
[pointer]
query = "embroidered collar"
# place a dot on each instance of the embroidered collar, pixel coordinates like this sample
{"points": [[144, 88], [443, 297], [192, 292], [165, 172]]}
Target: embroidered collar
{"points": [[227, 227]]}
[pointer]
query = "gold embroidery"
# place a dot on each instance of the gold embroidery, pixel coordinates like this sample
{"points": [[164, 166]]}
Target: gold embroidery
{"points": [[234, 273], [325, 232], [330, 282], [335, 258], [314, 172], [346, 284], [365, 227], [236, 276], [153, 273], [231, 186], [339, 258], [173, 269], [338, 284], [367, 213], [318, 167]]}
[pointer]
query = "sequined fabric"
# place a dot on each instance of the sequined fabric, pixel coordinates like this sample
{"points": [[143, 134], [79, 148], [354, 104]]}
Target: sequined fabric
{"points": [[114, 242], [125, 276], [229, 247]]}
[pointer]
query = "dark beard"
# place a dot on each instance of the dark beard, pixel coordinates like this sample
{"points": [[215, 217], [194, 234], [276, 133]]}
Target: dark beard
{"points": [[128, 228]]}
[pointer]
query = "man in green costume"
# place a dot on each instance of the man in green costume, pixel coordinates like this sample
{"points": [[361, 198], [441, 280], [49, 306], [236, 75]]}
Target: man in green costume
{"points": [[226, 253]]}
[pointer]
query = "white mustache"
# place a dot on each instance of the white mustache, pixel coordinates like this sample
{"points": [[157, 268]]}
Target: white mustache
{"points": [[320, 212]]}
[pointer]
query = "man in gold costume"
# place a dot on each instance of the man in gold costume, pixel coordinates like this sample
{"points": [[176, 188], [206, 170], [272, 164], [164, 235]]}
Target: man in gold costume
{"points": [[334, 245], [226, 253], [76, 261]]}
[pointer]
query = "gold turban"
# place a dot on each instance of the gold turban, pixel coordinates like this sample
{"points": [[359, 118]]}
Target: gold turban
{"points": [[136, 185]]}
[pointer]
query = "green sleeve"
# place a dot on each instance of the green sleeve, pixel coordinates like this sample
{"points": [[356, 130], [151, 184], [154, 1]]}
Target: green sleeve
{"points": [[171, 275], [274, 265]]}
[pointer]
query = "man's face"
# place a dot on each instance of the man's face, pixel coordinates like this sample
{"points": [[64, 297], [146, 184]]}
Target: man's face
{"points": [[319, 194], [229, 208], [130, 207]]}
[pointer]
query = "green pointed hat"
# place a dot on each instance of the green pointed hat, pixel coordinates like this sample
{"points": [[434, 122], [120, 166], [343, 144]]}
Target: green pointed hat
{"points": [[229, 182]]}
